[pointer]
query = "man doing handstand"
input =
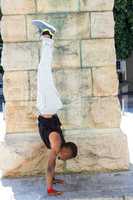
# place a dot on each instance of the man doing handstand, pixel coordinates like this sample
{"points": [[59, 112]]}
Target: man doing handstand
{"points": [[48, 103]]}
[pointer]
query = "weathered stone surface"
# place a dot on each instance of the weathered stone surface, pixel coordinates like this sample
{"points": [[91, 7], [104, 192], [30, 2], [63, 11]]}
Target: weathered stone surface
{"points": [[57, 6], [24, 155], [105, 81], [73, 84], [25, 56], [80, 113], [105, 112], [16, 85], [66, 54], [33, 84], [70, 83], [99, 152], [17, 7], [13, 28], [67, 25], [20, 56], [98, 52], [102, 25], [91, 113], [75, 114], [20, 115], [96, 5]]}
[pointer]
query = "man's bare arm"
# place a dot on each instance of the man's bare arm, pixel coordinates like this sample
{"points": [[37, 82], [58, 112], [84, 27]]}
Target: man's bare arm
{"points": [[55, 142], [51, 168]]}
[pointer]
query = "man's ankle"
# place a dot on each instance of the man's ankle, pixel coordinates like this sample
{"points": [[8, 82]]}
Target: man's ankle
{"points": [[46, 36]]}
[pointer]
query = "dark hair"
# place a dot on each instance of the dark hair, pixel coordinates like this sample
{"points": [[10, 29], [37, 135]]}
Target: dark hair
{"points": [[73, 148]]}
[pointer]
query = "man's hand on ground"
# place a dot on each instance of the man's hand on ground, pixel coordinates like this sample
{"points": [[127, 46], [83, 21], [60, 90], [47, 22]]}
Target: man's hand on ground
{"points": [[53, 192], [60, 181]]}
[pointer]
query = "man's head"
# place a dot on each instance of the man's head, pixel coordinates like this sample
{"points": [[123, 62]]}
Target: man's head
{"points": [[68, 150]]}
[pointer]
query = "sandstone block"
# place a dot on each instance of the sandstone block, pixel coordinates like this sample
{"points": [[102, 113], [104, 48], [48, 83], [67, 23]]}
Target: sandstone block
{"points": [[105, 112], [97, 152], [68, 25], [80, 113], [20, 115], [25, 155], [105, 81], [20, 56], [75, 114], [73, 84], [33, 84], [87, 112], [98, 53], [96, 5], [57, 6], [66, 54], [17, 7], [16, 85], [102, 25], [13, 28]]}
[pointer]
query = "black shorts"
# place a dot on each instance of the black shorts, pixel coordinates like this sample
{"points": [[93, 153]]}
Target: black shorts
{"points": [[47, 125]]}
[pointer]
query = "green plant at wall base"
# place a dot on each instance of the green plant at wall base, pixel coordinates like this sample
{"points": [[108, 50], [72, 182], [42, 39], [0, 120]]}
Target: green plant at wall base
{"points": [[123, 16]]}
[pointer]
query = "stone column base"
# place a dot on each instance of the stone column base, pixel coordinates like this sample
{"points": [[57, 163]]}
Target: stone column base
{"points": [[99, 150]]}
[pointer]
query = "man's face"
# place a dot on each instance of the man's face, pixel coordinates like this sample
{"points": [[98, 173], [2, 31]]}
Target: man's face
{"points": [[65, 154]]}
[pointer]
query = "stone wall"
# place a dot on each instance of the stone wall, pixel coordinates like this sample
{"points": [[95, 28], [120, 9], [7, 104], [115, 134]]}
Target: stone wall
{"points": [[84, 70]]}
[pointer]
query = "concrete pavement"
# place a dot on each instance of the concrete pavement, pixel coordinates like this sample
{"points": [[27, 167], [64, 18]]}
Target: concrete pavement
{"points": [[116, 185]]}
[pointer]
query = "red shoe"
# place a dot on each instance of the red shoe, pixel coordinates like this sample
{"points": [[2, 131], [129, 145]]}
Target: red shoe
{"points": [[53, 192]]}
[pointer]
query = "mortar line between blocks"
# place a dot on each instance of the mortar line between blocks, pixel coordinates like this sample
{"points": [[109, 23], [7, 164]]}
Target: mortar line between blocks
{"points": [[26, 28], [29, 96], [80, 46], [92, 81], [36, 8], [90, 25], [79, 5], [61, 12]]}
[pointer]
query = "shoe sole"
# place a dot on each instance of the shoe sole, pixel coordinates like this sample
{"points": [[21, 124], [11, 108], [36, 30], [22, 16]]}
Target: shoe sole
{"points": [[43, 25]]}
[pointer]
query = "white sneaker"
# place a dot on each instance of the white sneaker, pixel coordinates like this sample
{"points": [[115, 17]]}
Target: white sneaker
{"points": [[44, 26]]}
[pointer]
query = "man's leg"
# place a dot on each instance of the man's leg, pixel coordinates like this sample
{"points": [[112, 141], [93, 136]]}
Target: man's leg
{"points": [[48, 99]]}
